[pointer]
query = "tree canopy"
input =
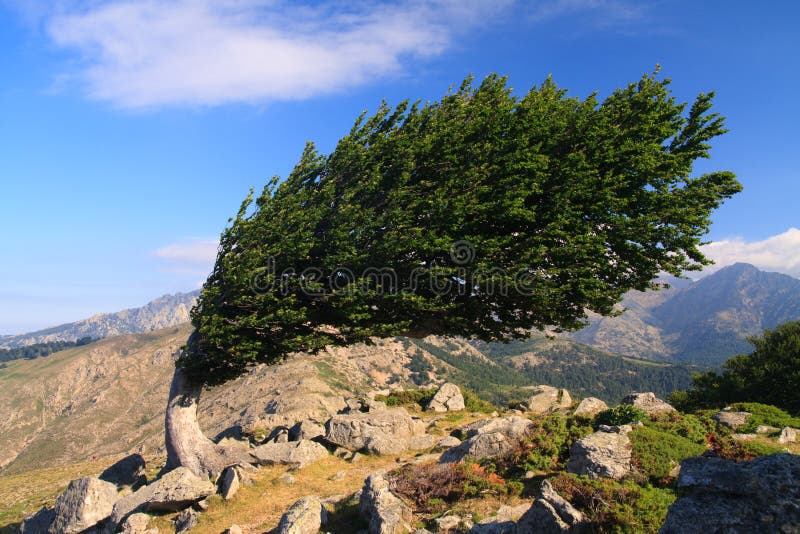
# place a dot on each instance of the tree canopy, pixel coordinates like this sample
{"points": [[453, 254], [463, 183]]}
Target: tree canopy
{"points": [[482, 215]]}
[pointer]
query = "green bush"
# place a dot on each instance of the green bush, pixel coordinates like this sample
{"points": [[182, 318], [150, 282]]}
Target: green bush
{"points": [[764, 414], [656, 452], [473, 403], [408, 397], [692, 427], [624, 414], [759, 448], [547, 445]]}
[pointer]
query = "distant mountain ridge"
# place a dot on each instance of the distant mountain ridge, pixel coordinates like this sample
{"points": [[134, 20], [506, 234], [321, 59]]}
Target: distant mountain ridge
{"points": [[163, 312], [704, 322]]}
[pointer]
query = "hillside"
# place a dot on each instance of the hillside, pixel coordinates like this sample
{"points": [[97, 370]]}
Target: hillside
{"points": [[163, 312], [705, 322]]}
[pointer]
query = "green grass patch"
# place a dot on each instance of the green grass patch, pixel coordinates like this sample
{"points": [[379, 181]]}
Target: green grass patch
{"points": [[656, 453], [764, 414]]}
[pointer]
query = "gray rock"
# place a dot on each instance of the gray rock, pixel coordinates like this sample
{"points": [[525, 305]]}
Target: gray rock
{"points": [[447, 523], [744, 437], [648, 403], [129, 471], [298, 453], [278, 435], [603, 454], [546, 399], [306, 516], [422, 442], [732, 420], [287, 478], [381, 432], [489, 438], [762, 495], [306, 429], [38, 522], [384, 511], [504, 522], [137, 524], [84, 503], [788, 435], [764, 429], [229, 483], [448, 398], [174, 491], [234, 529], [447, 442], [186, 520], [551, 514], [589, 407]]}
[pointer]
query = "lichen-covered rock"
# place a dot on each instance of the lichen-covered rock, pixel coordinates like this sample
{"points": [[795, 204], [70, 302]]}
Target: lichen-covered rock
{"points": [[551, 514], [448, 398], [306, 429], [129, 471], [546, 399], [84, 503], [384, 511], [137, 524], [762, 495], [788, 435], [489, 438], [732, 420], [298, 453], [229, 483], [37, 523], [447, 442], [648, 403], [589, 407], [186, 520], [306, 516], [604, 454], [503, 522], [381, 432], [422, 442]]}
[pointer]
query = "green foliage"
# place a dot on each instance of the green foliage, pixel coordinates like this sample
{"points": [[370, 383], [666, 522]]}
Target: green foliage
{"points": [[39, 350], [547, 445], [569, 203], [656, 452], [612, 506], [623, 414], [764, 414], [688, 426], [770, 374], [473, 403], [408, 397]]}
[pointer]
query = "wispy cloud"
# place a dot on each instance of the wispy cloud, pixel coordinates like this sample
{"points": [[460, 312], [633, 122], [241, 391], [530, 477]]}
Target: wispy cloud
{"points": [[779, 253], [193, 258], [205, 52]]}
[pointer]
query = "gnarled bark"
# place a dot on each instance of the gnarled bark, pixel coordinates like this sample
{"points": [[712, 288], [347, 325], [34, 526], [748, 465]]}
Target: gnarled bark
{"points": [[187, 446]]}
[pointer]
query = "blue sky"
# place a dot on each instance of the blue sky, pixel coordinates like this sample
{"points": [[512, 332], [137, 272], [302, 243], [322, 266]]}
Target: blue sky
{"points": [[131, 131]]}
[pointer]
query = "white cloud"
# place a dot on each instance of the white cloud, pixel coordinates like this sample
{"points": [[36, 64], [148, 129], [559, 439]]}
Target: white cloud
{"points": [[193, 254], [779, 253], [139, 54]]}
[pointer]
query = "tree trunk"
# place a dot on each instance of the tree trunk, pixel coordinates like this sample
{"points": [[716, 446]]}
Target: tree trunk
{"points": [[187, 446]]}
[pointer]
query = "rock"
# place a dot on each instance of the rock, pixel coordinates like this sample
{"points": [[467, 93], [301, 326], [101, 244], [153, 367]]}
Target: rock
{"points": [[422, 442], [382, 432], [306, 516], [339, 475], [84, 503], [551, 514], [447, 442], [589, 407], [356, 458], [176, 490], [298, 453], [234, 529], [447, 523], [648, 403], [287, 478], [129, 471], [448, 398], [38, 522], [343, 453], [788, 435], [186, 520], [384, 511], [278, 435], [764, 429], [603, 454], [229, 483], [489, 438], [568, 513], [306, 429], [546, 399], [732, 420], [744, 437], [504, 522], [137, 524], [762, 495]]}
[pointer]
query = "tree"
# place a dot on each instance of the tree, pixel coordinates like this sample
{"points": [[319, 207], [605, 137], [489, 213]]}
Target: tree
{"points": [[483, 215], [768, 375]]}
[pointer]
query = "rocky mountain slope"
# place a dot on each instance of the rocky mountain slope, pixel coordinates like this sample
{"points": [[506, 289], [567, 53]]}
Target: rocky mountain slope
{"points": [[163, 312], [705, 322]]}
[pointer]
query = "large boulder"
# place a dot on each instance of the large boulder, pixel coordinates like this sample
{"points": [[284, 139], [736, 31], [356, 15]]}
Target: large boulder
{"points": [[504, 522], [176, 490], [604, 454], [762, 495], [732, 420], [306, 516], [380, 432], [385, 512], [648, 403], [137, 524], [37, 523], [546, 399], [297, 453], [448, 398], [129, 471], [551, 514], [306, 429], [86, 502], [589, 407], [788, 435], [489, 438], [229, 483]]}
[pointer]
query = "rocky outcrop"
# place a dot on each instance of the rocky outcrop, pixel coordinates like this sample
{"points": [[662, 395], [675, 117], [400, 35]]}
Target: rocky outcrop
{"points": [[589, 407], [37, 523], [489, 438], [229, 483], [504, 522], [186, 520], [448, 398], [788, 435], [306, 516], [762, 495], [306, 429], [546, 399], [297, 453], [384, 511], [137, 524], [648, 403], [86, 502], [604, 454], [381, 432], [551, 514], [732, 420], [129, 471], [174, 491]]}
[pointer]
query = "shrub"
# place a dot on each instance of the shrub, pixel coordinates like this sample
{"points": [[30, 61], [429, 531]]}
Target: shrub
{"points": [[691, 427], [727, 448], [612, 506], [546, 446], [473, 403], [408, 397], [623, 414], [656, 452], [764, 414]]}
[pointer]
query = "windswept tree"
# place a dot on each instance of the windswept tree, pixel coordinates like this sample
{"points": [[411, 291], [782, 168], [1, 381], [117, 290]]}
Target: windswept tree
{"points": [[483, 215]]}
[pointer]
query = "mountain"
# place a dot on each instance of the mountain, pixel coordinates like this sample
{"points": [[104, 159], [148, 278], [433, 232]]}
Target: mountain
{"points": [[163, 312], [705, 322]]}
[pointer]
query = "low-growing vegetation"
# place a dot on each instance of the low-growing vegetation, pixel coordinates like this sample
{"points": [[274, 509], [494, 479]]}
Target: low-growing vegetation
{"points": [[657, 453], [624, 414]]}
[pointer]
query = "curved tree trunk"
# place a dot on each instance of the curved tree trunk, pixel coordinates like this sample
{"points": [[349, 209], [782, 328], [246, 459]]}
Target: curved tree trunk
{"points": [[187, 446]]}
